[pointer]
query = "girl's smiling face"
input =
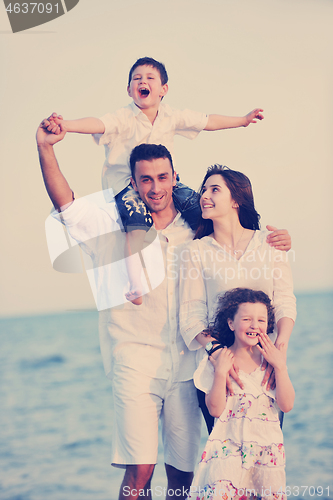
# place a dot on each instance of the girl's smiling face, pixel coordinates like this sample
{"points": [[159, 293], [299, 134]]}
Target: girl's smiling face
{"points": [[249, 320], [216, 200]]}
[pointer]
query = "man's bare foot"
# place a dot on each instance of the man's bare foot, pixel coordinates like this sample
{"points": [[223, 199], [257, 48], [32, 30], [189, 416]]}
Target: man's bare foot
{"points": [[135, 297]]}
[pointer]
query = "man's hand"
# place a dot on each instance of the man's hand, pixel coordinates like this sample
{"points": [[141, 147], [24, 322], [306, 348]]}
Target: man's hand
{"points": [[56, 185], [253, 116], [47, 138], [53, 124], [279, 238]]}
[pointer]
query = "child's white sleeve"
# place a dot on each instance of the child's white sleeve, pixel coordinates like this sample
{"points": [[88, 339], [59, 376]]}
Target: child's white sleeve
{"points": [[204, 375], [112, 123], [271, 392], [189, 123]]}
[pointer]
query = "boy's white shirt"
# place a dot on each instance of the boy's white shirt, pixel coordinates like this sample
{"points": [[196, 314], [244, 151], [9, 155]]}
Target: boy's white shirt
{"points": [[129, 127]]}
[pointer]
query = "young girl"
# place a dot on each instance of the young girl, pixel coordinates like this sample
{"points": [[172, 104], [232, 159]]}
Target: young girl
{"points": [[244, 454]]}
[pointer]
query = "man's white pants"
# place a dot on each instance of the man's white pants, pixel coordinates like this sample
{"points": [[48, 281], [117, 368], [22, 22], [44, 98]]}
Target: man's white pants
{"points": [[139, 402]]}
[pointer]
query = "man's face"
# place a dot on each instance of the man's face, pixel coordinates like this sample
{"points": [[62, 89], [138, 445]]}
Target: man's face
{"points": [[146, 88], [154, 181]]}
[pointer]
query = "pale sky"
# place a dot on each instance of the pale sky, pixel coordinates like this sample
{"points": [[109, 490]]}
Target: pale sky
{"points": [[222, 56]]}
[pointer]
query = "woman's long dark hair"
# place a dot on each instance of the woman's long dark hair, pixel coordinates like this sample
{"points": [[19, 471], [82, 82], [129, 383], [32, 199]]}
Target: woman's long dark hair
{"points": [[227, 307], [241, 192]]}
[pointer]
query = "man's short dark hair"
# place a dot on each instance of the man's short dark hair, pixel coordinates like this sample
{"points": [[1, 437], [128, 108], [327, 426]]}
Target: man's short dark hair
{"points": [[149, 61], [148, 152]]}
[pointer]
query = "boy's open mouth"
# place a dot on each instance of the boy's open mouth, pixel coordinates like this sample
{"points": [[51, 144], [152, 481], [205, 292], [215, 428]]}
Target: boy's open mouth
{"points": [[144, 92]]}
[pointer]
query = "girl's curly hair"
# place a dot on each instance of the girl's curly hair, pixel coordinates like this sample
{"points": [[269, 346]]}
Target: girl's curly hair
{"points": [[227, 308]]}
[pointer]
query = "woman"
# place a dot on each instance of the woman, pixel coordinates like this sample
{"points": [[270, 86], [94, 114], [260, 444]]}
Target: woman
{"points": [[230, 251]]}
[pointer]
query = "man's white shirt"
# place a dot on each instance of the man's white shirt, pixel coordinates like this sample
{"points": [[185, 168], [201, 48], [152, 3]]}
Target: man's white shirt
{"points": [[146, 337]]}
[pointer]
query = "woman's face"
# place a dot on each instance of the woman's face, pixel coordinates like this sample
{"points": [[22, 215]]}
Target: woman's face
{"points": [[216, 200]]}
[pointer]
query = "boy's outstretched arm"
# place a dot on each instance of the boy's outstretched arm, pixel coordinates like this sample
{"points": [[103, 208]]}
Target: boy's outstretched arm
{"points": [[220, 122], [56, 124], [56, 185]]}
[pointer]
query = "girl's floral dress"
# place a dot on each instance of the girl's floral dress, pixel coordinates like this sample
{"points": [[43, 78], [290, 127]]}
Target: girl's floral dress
{"points": [[244, 454]]}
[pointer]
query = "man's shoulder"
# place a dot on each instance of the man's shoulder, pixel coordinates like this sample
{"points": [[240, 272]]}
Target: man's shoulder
{"points": [[92, 208]]}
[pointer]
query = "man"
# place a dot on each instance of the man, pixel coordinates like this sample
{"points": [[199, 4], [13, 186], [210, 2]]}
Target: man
{"points": [[141, 346]]}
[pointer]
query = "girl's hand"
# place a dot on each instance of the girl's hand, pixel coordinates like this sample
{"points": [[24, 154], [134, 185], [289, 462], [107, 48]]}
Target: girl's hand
{"points": [[223, 363], [234, 374], [269, 376], [277, 357]]}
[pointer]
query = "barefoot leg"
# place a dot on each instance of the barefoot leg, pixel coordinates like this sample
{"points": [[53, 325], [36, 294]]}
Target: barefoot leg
{"points": [[134, 244]]}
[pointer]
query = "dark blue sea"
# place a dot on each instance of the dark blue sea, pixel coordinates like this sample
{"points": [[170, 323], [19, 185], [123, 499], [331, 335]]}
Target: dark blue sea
{"points": [[56, 411]]}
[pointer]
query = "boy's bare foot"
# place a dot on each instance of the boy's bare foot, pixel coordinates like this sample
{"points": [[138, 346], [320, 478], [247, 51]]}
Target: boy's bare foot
{"points": [[135, 297]]}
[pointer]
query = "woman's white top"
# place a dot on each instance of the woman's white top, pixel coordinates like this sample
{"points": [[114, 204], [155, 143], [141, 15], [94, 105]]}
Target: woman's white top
{"points": [[207, 270]]}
